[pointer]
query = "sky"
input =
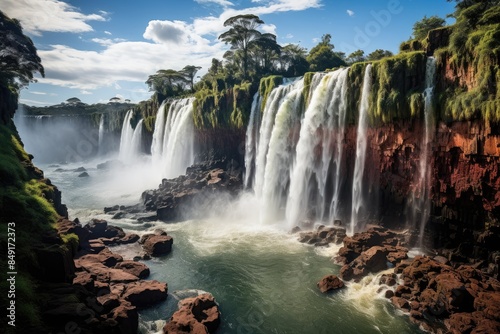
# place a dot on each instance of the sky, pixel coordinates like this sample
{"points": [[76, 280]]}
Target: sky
{"points": [[96, 50]]}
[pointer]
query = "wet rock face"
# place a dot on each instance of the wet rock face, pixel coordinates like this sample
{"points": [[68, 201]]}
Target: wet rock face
{"points": [[330, 283]]}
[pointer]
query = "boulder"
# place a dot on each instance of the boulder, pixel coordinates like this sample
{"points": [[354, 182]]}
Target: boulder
{"points": [[199, 314], [145, 293], [330, 283], [157, 245], [126, 318], [133, 267]]}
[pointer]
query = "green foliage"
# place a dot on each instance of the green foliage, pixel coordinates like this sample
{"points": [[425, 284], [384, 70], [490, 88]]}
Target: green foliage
{"points": [[307, 86], [219, 106], [421, 28], [411, 45], [379, 54], [397, 88], [356, 57], [266, 86], [472, 56], [21, 61]]}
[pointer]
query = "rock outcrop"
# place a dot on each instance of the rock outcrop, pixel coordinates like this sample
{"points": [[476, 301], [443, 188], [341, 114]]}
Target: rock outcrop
{"points": [[432, 293], [198, 315]]}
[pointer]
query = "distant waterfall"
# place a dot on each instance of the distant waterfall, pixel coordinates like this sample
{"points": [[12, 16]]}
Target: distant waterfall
{"points": [[126, 136], [421, 201], [158, 134], [101, 135], [361, 143], [173, 139], [131, 139], [250, 142], [314, 152]]}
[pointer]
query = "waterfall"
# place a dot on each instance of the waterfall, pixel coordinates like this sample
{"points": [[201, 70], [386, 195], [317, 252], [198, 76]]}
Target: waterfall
{"points": [[250, 142], [273, 102], [136, 143], [126, 137], [159, 131], [422, 200], [173, 139], [361, 142], [101, 135], [280, 151], [322, 118]]}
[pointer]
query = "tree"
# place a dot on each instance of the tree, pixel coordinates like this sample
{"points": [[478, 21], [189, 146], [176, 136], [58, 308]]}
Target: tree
{"points": [[356, 57], [462, 4], [189, 72], [293, 60], [322, 57], [167, 82], [266, 52], [18, 57], [379, 54], [421, 28], [242, 36]]}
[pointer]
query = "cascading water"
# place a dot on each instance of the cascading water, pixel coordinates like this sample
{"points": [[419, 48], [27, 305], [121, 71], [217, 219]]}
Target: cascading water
{"points": [[250, 140], [323, 116], [126, 136], [158, 134], [280, 152], [273, 102], [421, 201], [361, 142], [101, 135], [173, 140], [136, 144]]}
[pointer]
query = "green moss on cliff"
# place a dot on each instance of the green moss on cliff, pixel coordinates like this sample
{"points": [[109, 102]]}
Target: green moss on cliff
{"points": [[396, 87], [307, 86], [218, 106], [24, 202], [266, 86], [470, 65]]}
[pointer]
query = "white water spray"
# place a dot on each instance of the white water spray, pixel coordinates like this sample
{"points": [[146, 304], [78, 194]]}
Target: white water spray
{"points": [[361, 142], [250, 140]]}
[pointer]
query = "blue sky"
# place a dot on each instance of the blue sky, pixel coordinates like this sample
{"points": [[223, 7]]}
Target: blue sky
{"points": [[96, 50]]}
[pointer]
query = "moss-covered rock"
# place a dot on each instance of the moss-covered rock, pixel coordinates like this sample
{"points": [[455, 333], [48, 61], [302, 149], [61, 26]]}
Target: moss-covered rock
{"points": [[266, 86]]}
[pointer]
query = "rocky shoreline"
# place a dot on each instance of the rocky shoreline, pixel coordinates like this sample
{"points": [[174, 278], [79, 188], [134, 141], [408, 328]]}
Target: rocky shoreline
{"points": [[438, 293], [105, 291]]}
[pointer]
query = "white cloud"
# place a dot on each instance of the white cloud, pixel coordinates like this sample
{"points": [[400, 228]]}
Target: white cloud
{"points": [[85, 92], [38, 93], [168, 44], [316, 40], [268, 28], [107, 32], [289, 36], [350, 12], [166, 31], [37, 16], [107, 41], [223, 3]]}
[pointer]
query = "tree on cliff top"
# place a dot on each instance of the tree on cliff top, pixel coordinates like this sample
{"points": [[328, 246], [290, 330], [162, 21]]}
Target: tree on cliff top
{"points": [[242, 35], [421, 28], [322, 56], [18, 57]]}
